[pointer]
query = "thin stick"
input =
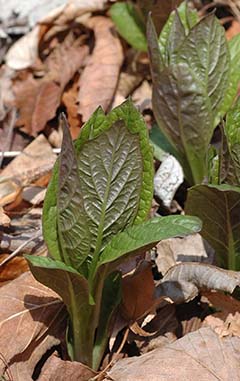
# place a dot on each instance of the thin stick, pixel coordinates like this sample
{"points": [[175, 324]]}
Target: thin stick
{"points": [[24, 244], [7, 370], [11, 125], [17, 153], [102, 373]]}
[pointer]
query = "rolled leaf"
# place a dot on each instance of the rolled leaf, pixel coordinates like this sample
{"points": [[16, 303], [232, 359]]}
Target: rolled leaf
{"points": [[183, 282]]}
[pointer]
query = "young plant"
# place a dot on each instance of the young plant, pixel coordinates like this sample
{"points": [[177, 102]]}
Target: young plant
{"points": [[94, 218], [218, 204], [195, 75]]}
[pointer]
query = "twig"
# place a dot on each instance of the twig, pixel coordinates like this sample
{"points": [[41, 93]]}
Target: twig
{"points": [[10, 127], [7, 370], [24, 244], [17, 153]]}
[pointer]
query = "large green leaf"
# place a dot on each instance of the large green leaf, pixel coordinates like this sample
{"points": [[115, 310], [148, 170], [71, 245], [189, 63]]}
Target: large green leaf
{"points": [[219, 209], [139, 238], [129, 24], [234, 77], [183, 112], [205, 51], [73, 289], [112, 189]]}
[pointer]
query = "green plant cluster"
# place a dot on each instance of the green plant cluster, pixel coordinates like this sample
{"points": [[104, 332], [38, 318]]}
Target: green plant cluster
{"points": [[195, 74]]}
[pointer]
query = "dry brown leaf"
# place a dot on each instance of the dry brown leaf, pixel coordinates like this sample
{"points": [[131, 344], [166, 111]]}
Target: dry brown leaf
{"points": [[69, 100], [233, 30], [99, 79], [56, 369], [230, 327], [12, 269], [35, 158], [32, 320], [138, 293], [224, 304], [187, 249], [38, 99], [200, 355]]}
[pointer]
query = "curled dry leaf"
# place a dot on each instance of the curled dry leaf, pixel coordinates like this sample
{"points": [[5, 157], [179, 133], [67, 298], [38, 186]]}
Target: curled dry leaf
{"points": [[200, 355], [32, 320], [182, 282], [99, 78], [56, 369]]}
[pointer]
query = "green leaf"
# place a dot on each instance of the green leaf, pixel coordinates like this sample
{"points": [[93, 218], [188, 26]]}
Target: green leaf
{"points": [[129, 24], [234, 77], [232, 131], [188, 17], [114, 180], [219, 209], [211, 66], [73, 230], [73, 289], [110, 300], [183, 112], [140, 238]]}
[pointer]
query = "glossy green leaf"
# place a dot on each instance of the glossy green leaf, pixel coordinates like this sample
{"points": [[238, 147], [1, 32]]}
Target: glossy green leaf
{"points": [[219, 209], [73, 289], [211, 66], [129, 24], [183, 112], [113, 185], [234, 77], [140, 238], [188, 17]]}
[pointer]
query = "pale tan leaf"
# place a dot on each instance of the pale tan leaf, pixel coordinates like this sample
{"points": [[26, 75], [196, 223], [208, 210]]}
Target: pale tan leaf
{"points": [[187, 249], [32, 320], [200, 355], [99, 78], [35, 159], [182, 282], [4, 219], [56, 369]]}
